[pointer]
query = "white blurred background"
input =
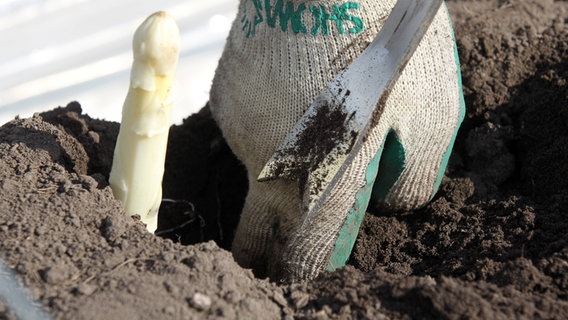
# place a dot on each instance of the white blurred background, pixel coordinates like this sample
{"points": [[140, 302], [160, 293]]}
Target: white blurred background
{"points": [[57, 51]]}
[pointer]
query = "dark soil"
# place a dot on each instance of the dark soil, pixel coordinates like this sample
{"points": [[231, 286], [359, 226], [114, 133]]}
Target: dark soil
{"points": [[491, 245], [324, 140]]}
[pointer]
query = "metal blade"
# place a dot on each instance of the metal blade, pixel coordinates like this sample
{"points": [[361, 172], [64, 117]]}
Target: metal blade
{"points": [[324, 141]]}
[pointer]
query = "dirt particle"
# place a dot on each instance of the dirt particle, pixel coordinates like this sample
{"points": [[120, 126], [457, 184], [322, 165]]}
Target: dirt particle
{"points": [[200, 301], [85, 289], [300, 299], [57, 274], [112, 227]]}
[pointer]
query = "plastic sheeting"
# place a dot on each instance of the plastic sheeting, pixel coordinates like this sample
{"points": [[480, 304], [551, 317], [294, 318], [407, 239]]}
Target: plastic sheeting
{"points": [[16, 299], [57, 51]]}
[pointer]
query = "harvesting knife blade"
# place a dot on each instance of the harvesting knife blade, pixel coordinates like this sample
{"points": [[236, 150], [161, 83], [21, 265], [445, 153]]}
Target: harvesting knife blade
{"points": [[318, 150]]}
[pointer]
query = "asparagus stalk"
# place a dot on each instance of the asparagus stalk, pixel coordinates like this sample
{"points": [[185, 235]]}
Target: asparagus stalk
{"points": [[140, 152]]}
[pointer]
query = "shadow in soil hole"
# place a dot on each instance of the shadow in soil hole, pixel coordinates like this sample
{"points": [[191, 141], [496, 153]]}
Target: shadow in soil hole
{"points": [[206, 183]]}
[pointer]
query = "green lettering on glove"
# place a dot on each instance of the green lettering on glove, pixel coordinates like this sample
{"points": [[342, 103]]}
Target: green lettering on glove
{"points": [[287, 15]]}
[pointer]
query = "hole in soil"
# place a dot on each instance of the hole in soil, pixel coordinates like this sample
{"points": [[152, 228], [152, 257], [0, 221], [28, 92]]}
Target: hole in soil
{"points": [[206, 183]]}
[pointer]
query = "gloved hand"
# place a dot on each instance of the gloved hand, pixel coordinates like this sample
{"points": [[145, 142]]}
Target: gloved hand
{"points": [[278, 57]]}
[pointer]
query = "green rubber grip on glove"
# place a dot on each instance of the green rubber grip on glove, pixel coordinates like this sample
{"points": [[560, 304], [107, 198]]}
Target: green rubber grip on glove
{"points": [[348, 232]]}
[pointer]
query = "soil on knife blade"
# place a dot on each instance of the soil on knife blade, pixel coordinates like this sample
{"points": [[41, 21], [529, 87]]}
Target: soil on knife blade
{"points": [[324, 138], [491, 245]]}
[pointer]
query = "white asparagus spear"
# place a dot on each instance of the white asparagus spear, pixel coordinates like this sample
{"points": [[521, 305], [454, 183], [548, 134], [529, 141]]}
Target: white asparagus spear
{"points": [[140, 152]]}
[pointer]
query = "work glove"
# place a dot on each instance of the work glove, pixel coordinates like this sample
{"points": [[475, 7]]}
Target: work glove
{"points": [[278, 57]]}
